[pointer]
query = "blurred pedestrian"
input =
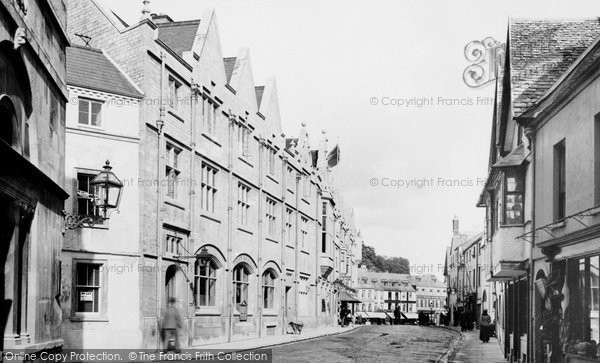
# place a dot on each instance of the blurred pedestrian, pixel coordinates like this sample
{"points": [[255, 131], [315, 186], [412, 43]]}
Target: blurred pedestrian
{"points": [[170, 324], [485, 325]]}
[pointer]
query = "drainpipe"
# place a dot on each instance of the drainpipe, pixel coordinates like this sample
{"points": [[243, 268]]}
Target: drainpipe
{"points": [[159, 193], [318, 233], [259, 296], [228, 271], [531, 330], [194, 99], [296, 257], [283, 242]]}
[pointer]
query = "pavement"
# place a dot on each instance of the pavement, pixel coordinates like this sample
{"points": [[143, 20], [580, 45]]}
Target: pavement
{"points": [[269, 341], [470, 349]]}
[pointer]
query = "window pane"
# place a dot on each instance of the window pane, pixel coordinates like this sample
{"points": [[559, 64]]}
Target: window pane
{"points": [[96, 113], [514, 209], [84, 109]]}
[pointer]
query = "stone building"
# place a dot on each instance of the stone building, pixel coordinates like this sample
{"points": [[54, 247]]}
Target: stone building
{"points": [[535, 187], [33, 94], [563, 130], [430, 292], [100, 261], [383, 291], [239, 223], [464, 274]]}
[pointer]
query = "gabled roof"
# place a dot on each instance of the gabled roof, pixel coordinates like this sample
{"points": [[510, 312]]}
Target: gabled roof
{"points": [[90, 68], [229, 64], [178, 35], [541, 51]]}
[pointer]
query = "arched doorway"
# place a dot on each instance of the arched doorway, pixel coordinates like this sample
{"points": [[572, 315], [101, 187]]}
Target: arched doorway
{"points": [[171, 283]]}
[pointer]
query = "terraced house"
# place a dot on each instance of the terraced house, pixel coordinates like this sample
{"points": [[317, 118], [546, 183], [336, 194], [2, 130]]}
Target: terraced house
{"points": [[541, 188], [238, 222]]}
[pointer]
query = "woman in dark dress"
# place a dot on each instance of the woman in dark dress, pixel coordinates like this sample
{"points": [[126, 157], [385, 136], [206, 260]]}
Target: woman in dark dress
{"points": [[485, 327]]}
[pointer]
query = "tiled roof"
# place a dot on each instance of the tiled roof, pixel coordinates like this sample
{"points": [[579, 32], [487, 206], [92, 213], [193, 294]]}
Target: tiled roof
{"points": [[178, 35], [541, 51], [579, 72], [229, 64], [90, 68], [259, 93]]}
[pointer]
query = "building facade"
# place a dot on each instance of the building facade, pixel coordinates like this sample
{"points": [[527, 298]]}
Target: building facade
{"points": [[563, 128], [383, 291], [538, 196], [240, 224], [101, 262], [33, 94], [464, 272], [430, 293]]}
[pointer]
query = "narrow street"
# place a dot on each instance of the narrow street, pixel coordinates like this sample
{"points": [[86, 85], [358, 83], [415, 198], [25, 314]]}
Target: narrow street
{"points": [[381, 343]]}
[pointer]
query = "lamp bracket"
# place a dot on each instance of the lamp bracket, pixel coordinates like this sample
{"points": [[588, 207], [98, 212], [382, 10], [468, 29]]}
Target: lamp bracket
{"points": [[74, 221]]}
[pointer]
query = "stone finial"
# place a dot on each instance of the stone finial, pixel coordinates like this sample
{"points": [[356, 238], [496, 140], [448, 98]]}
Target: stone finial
{"points": [[146, 9]]}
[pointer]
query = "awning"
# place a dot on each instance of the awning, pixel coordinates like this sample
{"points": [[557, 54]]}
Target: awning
{"points": [[347, 297], [377, 315], [508, 270], [410, 315], [362, 314]]}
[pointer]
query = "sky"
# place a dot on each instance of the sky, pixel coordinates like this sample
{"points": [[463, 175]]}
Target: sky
{"points": [[384, 79]]}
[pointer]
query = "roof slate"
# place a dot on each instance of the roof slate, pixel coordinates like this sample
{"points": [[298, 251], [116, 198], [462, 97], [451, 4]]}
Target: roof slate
{"points": [[90, 68], [179, 35], [541, 51]]}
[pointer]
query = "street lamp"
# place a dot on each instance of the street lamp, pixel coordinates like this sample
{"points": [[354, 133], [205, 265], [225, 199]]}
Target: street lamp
{"points": [[106, 197]]}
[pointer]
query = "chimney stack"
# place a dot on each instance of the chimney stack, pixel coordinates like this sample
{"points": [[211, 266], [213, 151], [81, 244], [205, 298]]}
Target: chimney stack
{"points": [[145, 10]]}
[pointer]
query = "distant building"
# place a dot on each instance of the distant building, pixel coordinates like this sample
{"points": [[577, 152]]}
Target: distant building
{"points": [[463, 272], [383, 291], [431, 293]]}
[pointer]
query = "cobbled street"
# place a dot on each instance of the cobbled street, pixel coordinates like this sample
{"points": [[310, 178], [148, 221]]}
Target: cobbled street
{"points": [[381, 343]]}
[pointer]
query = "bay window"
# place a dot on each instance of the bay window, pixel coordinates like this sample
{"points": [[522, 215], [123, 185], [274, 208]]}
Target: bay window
{"points": [[513, 198]]}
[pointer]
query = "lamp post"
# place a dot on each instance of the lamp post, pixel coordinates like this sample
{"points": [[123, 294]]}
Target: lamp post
{"points": [[106, 197]]}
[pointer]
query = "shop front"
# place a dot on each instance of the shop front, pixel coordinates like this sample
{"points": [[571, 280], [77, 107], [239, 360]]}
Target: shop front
{"points": [[570, 329]]}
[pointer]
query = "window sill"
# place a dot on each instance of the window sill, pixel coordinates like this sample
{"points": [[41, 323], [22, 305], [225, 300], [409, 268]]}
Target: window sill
{"points": [[175, 113], [558, 225], [272, 177], [90, 127], [211, 139], [271, 240], [174, 203], [305, 252], [213, 311], [210, 217], [79, 317], [245, 230], [305, 200], [521, 225], [243, 159], [270, 312]]}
